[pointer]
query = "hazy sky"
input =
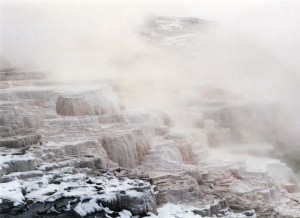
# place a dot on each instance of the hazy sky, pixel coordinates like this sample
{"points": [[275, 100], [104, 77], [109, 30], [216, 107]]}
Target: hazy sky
{"points": [[254, 51], [257, 52], [48, 31]]}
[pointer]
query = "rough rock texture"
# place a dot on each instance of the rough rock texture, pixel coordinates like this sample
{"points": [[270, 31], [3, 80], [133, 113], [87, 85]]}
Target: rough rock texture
{"points": [[78, 194], [73, 106], [180, 33], [41, 149], [86, 103], [131, 144], [61, 147], [19, 142]]}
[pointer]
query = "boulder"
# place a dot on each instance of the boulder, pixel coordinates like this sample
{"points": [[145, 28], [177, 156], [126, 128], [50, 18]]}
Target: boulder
{"points": [[86, 103], [73, 106]]}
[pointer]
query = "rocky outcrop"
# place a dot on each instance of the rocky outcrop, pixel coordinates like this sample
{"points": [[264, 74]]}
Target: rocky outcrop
{"points": [[86, 103], [78, 195], [127, 147], [183, 143], [61, 149], [19, 141], [173, 148], [17, 163], [73, 106], [183, 188]]}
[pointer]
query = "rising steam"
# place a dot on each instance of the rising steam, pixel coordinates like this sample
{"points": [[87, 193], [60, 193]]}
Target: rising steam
{"points": [[252, 49]]}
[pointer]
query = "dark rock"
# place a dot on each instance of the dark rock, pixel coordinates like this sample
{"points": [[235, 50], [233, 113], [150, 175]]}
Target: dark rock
{"points": [[202, 212]]}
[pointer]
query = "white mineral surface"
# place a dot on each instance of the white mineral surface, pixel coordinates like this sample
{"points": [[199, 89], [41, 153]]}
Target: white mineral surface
{"points": [[151, 135]]}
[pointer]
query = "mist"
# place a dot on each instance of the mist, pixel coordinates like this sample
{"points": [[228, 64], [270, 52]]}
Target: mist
{"points": [[197, 95], [256, 43], [251, 48]]}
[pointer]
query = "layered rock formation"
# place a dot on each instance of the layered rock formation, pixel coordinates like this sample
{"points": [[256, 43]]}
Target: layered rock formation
{"points": [[48, 144], [64, 148], [86, 103], [55, 138]]}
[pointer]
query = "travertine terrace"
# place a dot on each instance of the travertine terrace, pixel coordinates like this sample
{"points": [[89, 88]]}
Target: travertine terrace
{"points": [[84, 151]]}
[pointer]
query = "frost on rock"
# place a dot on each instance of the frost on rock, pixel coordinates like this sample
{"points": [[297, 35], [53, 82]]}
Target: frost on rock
{"points": [[175, 32], [63, 147], [182, 211], [67, 163], [84, 194]]}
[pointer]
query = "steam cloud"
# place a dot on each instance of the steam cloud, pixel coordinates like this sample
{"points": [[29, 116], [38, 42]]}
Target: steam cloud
{"points": [[254, 50]]}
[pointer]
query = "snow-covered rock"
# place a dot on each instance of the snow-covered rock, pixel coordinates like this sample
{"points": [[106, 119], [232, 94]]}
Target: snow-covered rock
{"points": [[83, 194]]}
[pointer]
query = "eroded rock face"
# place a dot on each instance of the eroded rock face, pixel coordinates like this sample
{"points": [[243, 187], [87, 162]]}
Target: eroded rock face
{"points": [[183, 142], [73, 106], [86, 103], [10, 164], [187, 188], [172, 148], [19, 141], [63, 147], [183, 187], [62, 137], [126, 148]]}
